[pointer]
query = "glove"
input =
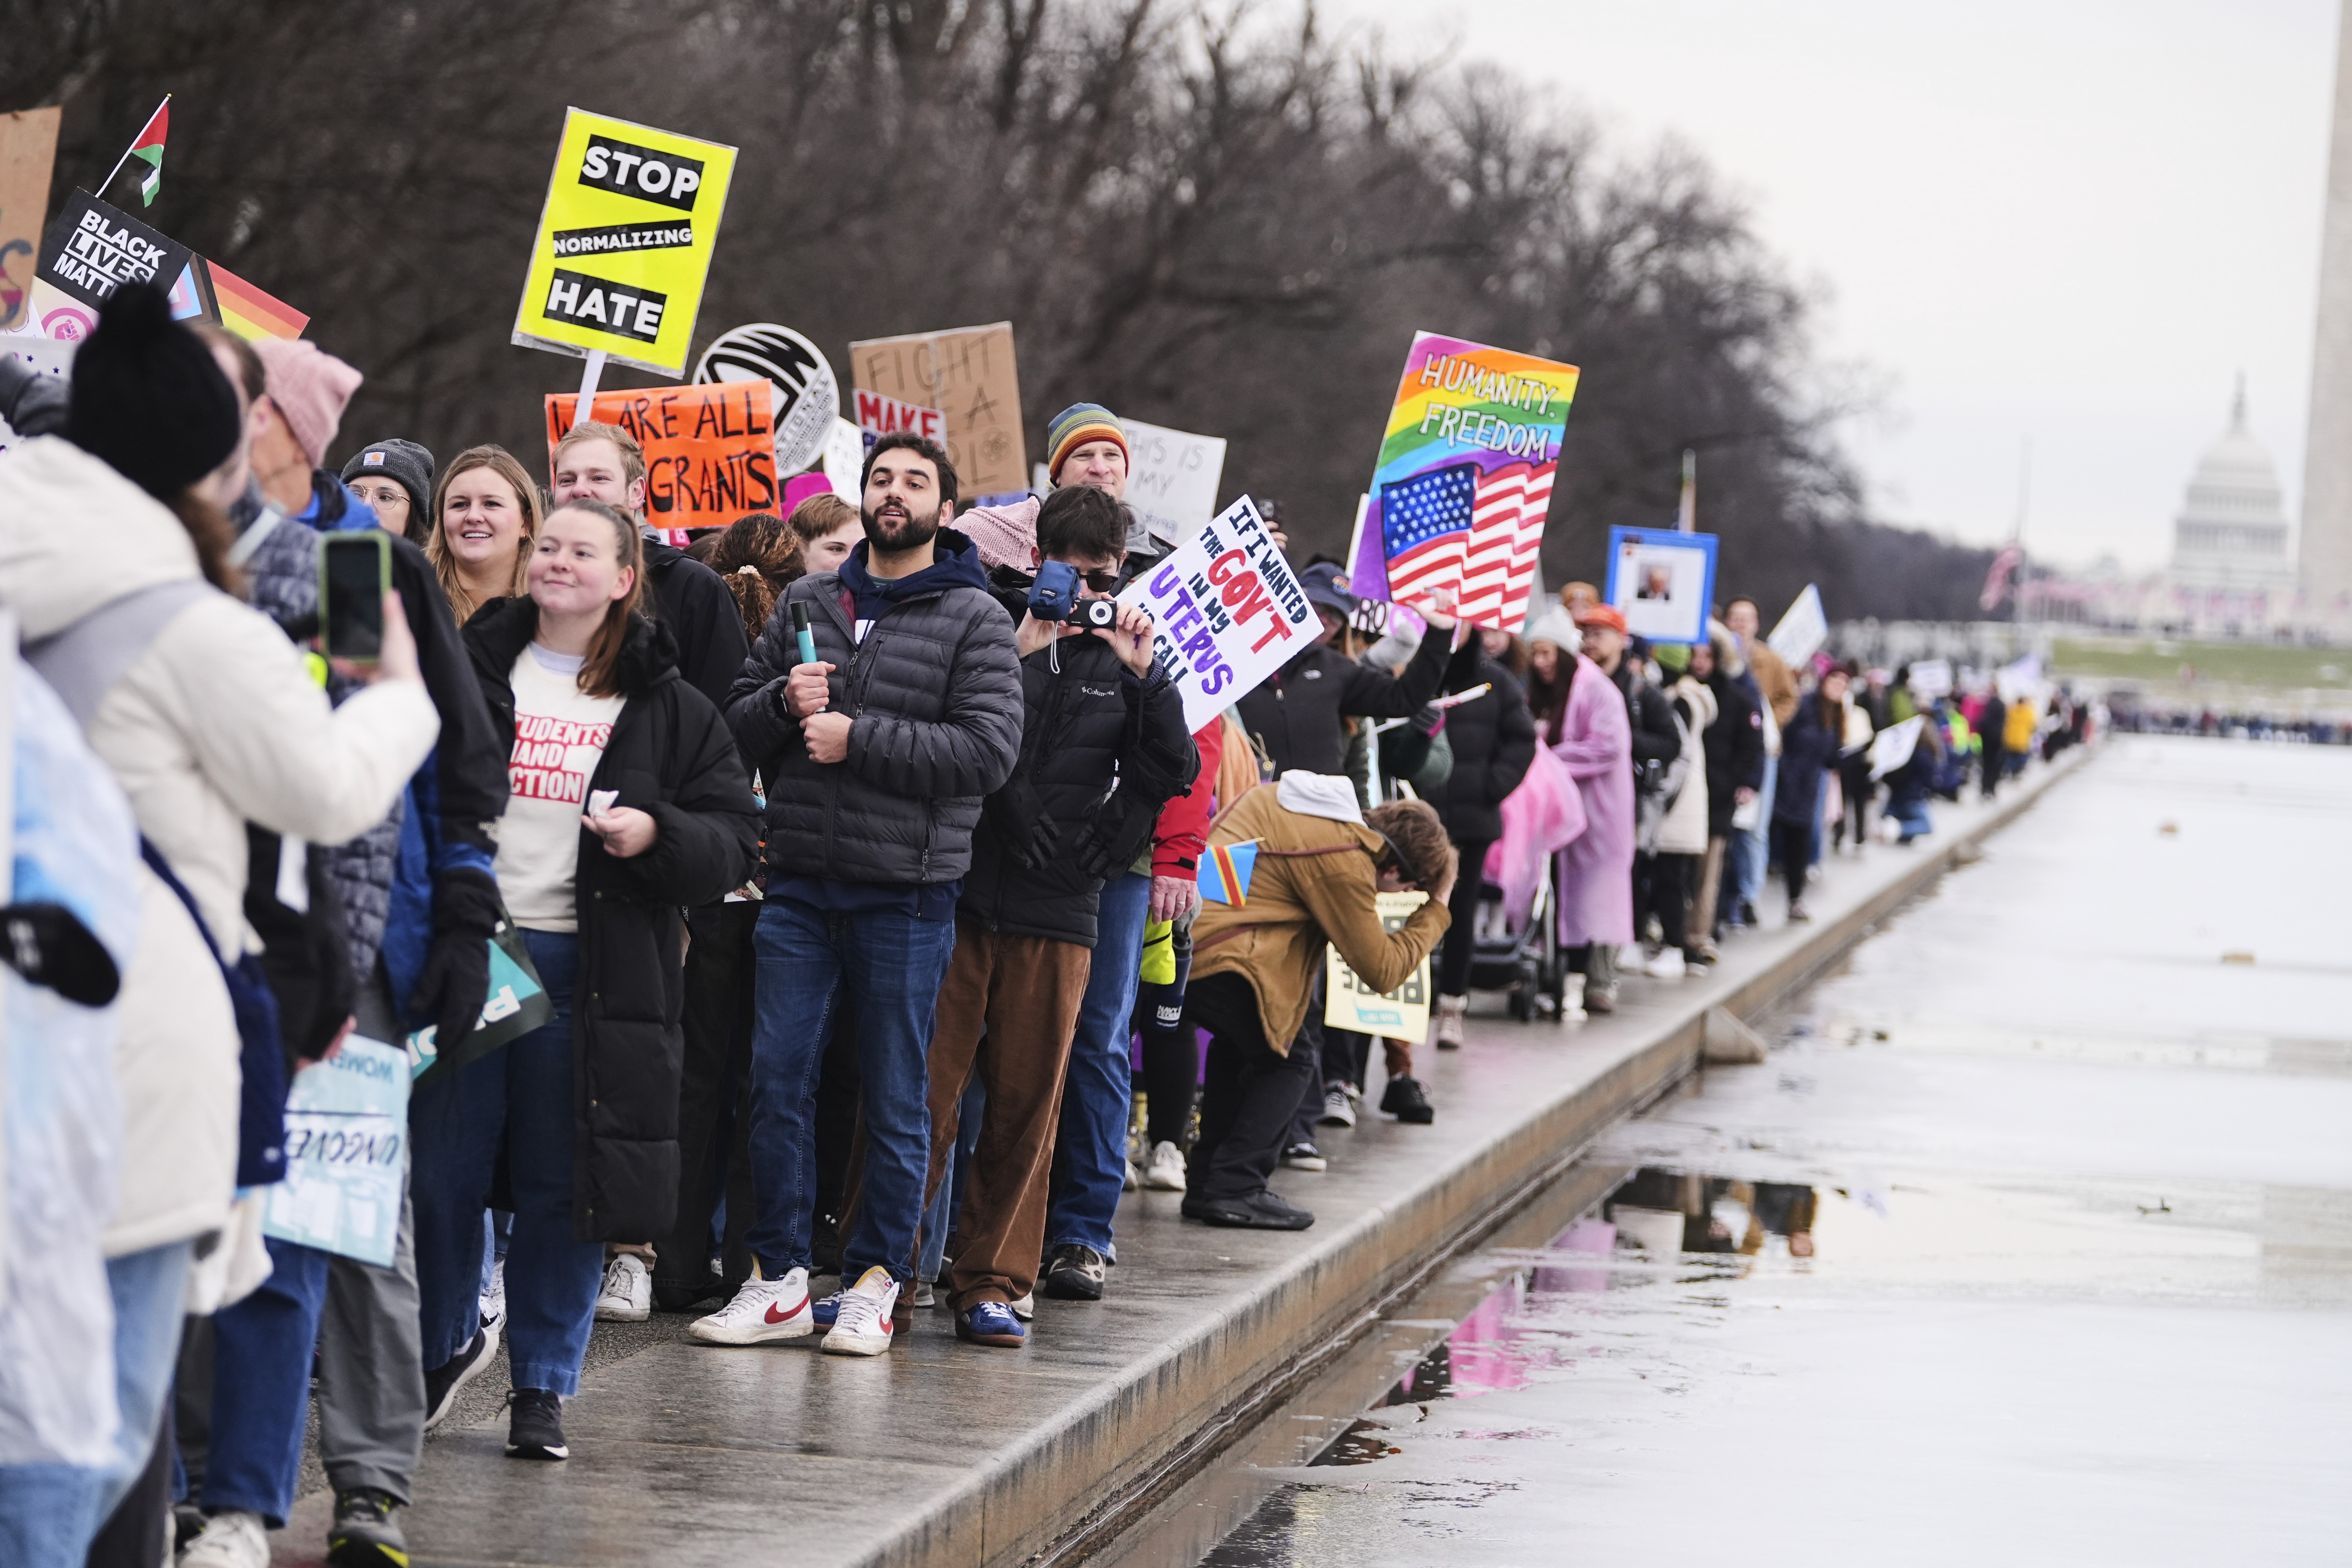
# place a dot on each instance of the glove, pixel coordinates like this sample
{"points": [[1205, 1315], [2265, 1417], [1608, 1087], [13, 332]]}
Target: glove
{"points": [[1115, 834], [466, 910], [46, 945], [1019, 815]]}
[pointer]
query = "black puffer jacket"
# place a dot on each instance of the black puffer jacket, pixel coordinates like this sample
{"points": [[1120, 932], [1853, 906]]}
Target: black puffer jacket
{"points": [[1089, 725], [934, 695], [670, 756], [1650, 714], [1494, 740], [1296, 714], [1735, 751], [692, 600]]}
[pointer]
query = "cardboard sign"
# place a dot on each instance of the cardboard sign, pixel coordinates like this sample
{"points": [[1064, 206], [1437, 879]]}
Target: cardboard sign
{"points": [[710, 451], [880, 416], [967, 373], [346, 1154], [1931, 678], [47, 356], [93, 249], [1227, 612], [1891, 747], [807, 397], [1171, 480], [29, 148], [1803, 630], [1464, 481], [1664, 582], [1350, 1004], [625, 242]]}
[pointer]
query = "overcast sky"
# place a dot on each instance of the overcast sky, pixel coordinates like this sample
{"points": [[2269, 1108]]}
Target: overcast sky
{"points": [[2069, 220]]}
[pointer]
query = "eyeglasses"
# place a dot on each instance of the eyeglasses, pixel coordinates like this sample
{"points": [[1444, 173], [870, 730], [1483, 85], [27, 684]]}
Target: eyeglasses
{"points": [[1103, 583]]}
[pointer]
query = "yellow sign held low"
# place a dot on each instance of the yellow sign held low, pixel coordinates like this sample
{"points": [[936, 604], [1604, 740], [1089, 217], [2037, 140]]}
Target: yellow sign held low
{"points": [[625, 242]]}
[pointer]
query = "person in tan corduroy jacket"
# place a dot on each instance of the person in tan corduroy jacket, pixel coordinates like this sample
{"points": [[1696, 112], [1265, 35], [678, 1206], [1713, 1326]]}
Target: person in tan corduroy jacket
{"points": [[1320, 869]]}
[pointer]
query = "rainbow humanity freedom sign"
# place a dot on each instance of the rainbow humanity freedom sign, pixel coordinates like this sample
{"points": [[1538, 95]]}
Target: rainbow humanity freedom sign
{"points": [[1464, 479]]}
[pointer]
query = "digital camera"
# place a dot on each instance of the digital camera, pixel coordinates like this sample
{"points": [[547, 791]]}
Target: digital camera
{"points": [[1102, 612]]}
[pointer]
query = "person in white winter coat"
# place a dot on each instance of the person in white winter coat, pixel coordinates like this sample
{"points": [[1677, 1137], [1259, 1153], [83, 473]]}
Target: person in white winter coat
{"points": [[112, 558], [1682, 831]]}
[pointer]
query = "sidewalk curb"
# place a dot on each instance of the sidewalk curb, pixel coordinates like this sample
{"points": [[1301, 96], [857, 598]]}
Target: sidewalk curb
{"points": [[1069, 1493]]}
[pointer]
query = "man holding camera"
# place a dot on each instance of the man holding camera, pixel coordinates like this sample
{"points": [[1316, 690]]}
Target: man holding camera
{"points": [[1103, 747]]}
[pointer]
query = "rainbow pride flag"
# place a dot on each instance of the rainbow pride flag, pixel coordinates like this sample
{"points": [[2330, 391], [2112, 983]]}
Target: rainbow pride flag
{"points": [[1226, 872], [250, 313]]}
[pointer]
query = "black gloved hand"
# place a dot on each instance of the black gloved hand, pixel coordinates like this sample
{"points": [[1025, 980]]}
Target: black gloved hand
{"points": [[1018, 813], [1115, 835], [49, 945], [466, 910]]}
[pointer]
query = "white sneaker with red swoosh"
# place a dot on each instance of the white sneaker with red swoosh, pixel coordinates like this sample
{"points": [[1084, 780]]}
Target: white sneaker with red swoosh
{"points": [[863, 1326], [763, 1310]]}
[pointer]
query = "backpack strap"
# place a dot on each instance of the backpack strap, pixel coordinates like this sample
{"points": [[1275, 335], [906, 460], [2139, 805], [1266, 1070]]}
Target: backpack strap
{"points": [[82, 662]]}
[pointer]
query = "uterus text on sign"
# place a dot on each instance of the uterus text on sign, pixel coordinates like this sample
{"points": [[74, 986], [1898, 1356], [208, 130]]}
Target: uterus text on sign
{"points": [[1226, 609], [710, 452]]}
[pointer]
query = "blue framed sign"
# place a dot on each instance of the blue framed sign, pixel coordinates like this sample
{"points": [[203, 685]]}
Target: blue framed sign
{"points": [[1662, 581]]}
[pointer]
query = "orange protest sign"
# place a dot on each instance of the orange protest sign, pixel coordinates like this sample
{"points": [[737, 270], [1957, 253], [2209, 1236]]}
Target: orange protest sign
{"points": [[710, 452]]}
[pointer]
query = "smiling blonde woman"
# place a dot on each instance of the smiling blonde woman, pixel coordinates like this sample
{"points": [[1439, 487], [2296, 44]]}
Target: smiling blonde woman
{"points": [[485, 520]]}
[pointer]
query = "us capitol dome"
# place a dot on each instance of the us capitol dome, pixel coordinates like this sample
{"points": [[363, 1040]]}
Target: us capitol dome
{"points": [[2232, 569]]}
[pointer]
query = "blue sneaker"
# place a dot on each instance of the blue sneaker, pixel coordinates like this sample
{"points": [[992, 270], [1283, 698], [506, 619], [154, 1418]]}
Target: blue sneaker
{"points": [[991, 1323], [824, 1310]]}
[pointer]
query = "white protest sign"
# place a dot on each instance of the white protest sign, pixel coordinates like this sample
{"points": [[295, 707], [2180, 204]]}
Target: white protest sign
{"points": [[2020, 682], [1227, 611], [1931, 678], [346, 1154], [1350, 1004], [1891, 747], [1803, 630], [845, 462], [47, 356], [1171, 480]]}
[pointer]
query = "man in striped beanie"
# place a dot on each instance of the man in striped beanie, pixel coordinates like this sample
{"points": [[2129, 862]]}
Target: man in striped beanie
{"points": [[1089, 439]]}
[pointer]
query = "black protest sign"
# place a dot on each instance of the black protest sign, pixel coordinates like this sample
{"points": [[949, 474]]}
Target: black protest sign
{"points": [[93, 249]]}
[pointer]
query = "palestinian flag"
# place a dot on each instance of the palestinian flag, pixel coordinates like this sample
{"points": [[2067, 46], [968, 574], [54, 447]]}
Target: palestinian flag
{"points": [[149, 150]]}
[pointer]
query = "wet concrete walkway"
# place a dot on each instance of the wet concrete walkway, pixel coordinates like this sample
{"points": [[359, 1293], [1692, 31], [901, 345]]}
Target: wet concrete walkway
{"points": [[941, 1453], [2032, 1242]]}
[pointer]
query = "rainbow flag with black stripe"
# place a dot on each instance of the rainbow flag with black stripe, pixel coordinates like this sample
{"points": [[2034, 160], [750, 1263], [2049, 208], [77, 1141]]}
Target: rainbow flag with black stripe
{"points": [[1226, 872]]}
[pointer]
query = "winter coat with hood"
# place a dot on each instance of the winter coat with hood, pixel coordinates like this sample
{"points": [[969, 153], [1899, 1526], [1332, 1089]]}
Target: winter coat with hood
{"points": [[215, 724], [1316, 882], [1809, 746], [1494, 740], [1684, 831], [1101, 752], [933, 694], [672, 757]]}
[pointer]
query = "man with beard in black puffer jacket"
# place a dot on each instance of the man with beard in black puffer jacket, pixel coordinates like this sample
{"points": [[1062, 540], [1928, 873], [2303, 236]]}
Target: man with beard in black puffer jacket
{"points": [[877, 756], [1104, 747]]}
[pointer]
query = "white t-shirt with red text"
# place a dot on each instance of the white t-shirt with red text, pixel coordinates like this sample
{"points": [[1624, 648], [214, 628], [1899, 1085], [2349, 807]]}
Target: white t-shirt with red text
{"points": [[560, 736]]}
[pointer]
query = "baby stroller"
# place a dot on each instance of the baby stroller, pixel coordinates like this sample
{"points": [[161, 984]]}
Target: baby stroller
{"points": [[1527, 963]]}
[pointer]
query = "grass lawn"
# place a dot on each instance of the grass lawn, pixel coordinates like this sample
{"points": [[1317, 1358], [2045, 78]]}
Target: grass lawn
{"points": [[2157, 662]]}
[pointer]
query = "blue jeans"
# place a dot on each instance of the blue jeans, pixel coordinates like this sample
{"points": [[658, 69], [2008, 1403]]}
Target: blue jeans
{"points": [[261, 1384], [891, 965], [49, 1512], [940, 1216], [519, 1095], [1751, 847], [1090, 1150]]}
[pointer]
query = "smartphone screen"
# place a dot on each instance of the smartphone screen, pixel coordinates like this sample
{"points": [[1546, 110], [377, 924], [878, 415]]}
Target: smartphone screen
{"points": [[351, 609]]}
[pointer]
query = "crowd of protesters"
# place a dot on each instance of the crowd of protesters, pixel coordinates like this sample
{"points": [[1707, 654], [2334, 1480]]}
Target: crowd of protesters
{"points": [[862, 881]]}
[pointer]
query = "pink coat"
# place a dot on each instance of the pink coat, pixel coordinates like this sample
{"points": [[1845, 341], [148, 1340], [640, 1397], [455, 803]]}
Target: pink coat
{"points": [[1596, 873]]}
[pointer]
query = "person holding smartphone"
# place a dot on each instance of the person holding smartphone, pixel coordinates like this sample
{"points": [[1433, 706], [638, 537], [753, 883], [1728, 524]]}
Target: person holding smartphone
{"points": [[628, 803]]}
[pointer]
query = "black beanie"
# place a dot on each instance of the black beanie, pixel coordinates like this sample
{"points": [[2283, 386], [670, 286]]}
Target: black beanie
{"points": [[148, 396], [405, 463]]}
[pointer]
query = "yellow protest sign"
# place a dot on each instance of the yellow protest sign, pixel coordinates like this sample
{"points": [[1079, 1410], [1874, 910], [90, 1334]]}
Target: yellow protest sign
{"points": [[1350, 1004], [624, 242]]}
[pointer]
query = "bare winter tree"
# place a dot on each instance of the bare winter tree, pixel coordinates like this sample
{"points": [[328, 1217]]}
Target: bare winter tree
{"points": [[1222, 220]]}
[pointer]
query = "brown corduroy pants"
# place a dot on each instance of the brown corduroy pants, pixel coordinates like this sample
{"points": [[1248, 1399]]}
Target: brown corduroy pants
{"points": [[1006, 1011]]}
